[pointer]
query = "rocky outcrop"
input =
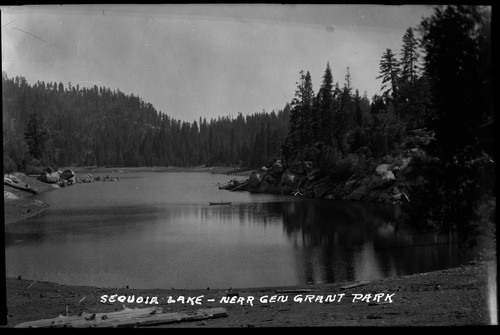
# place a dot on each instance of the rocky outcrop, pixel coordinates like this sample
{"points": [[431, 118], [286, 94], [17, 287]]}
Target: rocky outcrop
{"points": [[384, 183]]}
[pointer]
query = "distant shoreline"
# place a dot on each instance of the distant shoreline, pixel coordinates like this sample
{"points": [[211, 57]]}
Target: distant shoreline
{"points": [[219, 169], [28, 205]]}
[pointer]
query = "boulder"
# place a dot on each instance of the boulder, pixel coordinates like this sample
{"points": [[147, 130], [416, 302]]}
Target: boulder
{"points": [[404, 163], [51, 178], [388, 176], [276, 168], [11, 178], [383, 171], [382, 168], [255, 179], [400, 164], [289, 181], [263, 187], [67, 175], [9, 195]]}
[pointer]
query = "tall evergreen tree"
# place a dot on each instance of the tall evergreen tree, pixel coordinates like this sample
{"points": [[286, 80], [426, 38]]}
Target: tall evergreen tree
{"points": [[37, 135], [458, 64], [458, 190], [414, 96], [301, 112], [389, 72], [359, 111], [409, 57], [325, 106]]}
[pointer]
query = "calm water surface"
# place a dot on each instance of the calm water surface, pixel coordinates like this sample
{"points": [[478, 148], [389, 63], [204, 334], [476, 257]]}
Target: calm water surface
{"points": [[157, 230]]}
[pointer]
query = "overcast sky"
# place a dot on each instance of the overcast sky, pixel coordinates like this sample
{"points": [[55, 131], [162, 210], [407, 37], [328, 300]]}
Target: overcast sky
{"points": [[203, 60]]}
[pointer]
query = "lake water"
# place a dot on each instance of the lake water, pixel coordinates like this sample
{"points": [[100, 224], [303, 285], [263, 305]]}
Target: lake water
{"points": [[157, 230]]}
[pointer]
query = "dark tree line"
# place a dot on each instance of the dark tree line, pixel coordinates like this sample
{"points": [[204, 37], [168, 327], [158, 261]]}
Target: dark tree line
{"points": [[441, 84], [342, 132], [458, 189], [53, 124]]}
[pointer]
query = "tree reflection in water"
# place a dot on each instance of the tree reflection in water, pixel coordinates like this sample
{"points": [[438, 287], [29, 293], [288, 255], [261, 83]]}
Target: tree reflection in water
{"points": [[343, 240]]}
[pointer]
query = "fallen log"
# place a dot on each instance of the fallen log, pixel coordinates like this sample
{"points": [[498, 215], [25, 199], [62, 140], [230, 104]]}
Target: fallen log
{"points": [[361, 283], [305, 290], [240, 186], [125, 318], [20, 187]]}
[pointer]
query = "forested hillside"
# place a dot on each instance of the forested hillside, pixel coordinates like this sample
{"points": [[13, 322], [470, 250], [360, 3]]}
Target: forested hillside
{"points": [[426, 141], [53, 124], [442, 82]]}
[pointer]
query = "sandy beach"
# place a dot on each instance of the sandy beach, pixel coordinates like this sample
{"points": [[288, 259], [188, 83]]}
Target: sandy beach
{"points": [[451, 297]]}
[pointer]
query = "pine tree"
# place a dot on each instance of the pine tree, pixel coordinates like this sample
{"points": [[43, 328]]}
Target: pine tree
{"points": [[37, 135], [459, 170], [413, 95], [359, 111], [409, 57], [458, 65], [389, 72], [300, 113], [325, 107], [344, 114], [346, 96]]}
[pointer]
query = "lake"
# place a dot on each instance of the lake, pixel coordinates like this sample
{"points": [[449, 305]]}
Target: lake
{"points": [[157, 230]]}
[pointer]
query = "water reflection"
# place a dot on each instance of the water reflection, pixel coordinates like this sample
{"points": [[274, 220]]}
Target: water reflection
{"points": [[358, 241], [256, 241]]}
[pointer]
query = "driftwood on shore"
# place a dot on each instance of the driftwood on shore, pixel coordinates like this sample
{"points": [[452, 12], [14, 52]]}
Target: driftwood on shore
{"points": [[20, 187], [234, 185], [361, 283], [305, 290], [137, 317]]}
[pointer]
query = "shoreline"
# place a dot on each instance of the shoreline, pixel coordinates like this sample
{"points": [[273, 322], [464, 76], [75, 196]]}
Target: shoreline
{"points": [[202, 168], [19, 205], [457, 296]]}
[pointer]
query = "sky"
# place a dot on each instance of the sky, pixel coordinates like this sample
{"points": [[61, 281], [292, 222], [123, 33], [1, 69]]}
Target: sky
{"points": [[191, 61]]}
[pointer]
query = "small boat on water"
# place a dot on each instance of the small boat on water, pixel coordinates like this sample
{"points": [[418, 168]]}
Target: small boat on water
{"points": [[219, 203]]}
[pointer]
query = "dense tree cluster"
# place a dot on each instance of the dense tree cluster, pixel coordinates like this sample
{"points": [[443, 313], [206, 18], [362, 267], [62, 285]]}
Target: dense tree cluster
{"points": [[457, 191], [446, 93], [344, 133], [53, 124]]}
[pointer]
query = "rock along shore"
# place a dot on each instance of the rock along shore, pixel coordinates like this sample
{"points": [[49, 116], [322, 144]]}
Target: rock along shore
{"points": [[385, 183]]}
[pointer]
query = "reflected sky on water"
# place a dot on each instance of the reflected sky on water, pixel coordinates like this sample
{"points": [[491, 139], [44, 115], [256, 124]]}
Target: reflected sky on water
{"points": [[157, 230]]}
